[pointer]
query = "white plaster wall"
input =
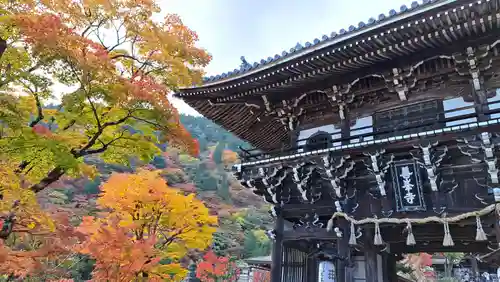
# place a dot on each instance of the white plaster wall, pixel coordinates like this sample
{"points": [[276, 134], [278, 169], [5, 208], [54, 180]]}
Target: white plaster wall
{"points": [[496, 99], [360, 123], [456, 103]]}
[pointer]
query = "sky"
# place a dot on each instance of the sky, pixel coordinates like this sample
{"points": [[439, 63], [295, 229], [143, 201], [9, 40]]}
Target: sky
{"points": [[257, 29]]}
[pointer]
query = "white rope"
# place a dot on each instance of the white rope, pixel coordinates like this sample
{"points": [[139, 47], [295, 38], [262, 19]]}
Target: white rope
{"points": [[410, 240], [429, 219]]}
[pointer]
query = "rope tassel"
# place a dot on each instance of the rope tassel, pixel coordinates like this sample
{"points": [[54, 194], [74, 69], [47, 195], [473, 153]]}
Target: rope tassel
{"points": [[377, 239], [410, 239], [480, 235], [352, 237], [329, 226], [447, 240]]}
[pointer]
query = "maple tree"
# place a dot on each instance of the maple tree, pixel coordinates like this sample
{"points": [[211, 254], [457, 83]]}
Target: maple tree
{"points": [[113, 102], [40, 235], [217, 269], [32, 249], [116, 101], [145, 221], [261, 276], [419, 265]]}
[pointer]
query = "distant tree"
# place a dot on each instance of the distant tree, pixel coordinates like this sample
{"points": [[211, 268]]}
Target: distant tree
{"points": [[222, 158], [159, 162], [417, 266], [218, 152], [36, 245], [92, 187], [80, 267], [256, 244], [204, 179], [451, 259], [220, 244], [217, 269], [261, 276], [208, 133]]}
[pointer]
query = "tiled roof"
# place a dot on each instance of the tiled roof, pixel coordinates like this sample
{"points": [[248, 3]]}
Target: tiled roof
{"points": [[259, 260], [334, 37]]}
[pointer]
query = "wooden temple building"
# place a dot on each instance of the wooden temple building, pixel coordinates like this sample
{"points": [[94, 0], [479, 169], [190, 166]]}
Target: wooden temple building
{"points": [[372, 142]]}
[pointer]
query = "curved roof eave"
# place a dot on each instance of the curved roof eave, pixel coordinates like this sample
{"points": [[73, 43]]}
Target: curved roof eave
{"points": [[393, 17]]}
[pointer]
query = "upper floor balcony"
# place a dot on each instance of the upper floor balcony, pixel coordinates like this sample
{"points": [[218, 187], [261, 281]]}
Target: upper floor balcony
{"points": [[398, 127]]}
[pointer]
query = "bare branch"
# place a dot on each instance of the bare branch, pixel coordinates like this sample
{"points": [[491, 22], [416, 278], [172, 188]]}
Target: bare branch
{"points": [[94, 111], [147, 121], [87, 29], [129, 57], [118, 38], [82, 151], [104, 145], [51, 177], [39, 110], [9, 79], [70, 124]]}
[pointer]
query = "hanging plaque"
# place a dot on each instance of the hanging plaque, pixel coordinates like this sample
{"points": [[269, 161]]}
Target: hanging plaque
{"points": [[407, 186]]}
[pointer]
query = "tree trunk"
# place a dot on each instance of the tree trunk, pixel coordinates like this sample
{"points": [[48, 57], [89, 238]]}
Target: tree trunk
{"points": [[3, 46]]}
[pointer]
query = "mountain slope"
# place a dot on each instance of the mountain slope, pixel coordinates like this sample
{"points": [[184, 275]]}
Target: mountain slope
{"points": [[243, 216]]}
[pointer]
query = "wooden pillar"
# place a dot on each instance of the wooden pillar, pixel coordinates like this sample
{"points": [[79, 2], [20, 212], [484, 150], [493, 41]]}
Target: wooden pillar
{"points": [[345, 127], [497, 228], [370, 257], [345, 271], [277, 254], [474, 267], [312, 270], [480, 104], [371, 265], [294, 137], [342, 267], [390, 272]]}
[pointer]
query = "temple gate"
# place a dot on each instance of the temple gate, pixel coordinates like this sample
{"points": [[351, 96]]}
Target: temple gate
{"points": [[373, 142]]}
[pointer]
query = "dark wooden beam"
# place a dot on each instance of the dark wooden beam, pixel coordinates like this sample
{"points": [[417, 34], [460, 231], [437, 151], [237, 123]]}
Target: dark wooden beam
{"points": [[277, 252], [474, 267], [308, 234], [437, 247], [431, 232]]}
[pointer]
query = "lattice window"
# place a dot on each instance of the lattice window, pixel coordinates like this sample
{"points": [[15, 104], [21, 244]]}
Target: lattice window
{"points": [[408, 119]]}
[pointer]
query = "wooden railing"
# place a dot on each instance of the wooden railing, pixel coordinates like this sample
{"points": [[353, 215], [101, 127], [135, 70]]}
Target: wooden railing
{"points": [[486, 110]]}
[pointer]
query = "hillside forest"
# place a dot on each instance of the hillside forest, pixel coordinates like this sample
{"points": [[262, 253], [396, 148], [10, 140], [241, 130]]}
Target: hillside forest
{"points": [[101, 179]]}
